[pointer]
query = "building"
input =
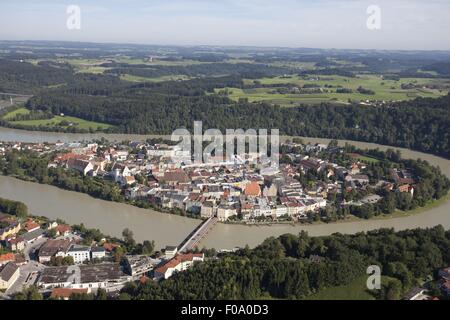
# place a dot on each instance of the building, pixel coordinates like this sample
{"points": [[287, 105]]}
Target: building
{"points": [[10, 230], [63, 230], [98, 253], [32, 236], [225, 211], [171, 251], [91, 277], [8, 275], [138, 265], [31, 226], [208, 209], [54, 248], [82, 166], [65, 293], [80, 254], [15, 243], [180, 262], [252, 189], [6, 258]]}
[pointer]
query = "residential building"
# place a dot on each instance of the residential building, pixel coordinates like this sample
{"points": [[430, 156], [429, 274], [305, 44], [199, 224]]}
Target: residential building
{"points": [[54, 248], [138, 265], [180, 262], [32, 236], [98, 252], [80, 254], [8, 275], [6, 258], [66, 293], [10, 230]]}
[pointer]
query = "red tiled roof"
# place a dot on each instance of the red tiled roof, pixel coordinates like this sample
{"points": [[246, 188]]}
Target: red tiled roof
{"points": [[63, 228], [179, 258], [66, 292], [7, 257], [252, 189], [30, 225]]}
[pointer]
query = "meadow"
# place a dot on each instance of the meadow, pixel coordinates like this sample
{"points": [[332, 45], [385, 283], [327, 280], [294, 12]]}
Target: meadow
{"points": [[385, 90], [55, 122]]}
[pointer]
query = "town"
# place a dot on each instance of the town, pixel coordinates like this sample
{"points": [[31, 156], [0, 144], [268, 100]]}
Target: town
{"points": [[313, 183]]}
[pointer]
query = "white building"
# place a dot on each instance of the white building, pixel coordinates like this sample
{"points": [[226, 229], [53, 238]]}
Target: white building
{"points": [[79, 253], [180, 262]]}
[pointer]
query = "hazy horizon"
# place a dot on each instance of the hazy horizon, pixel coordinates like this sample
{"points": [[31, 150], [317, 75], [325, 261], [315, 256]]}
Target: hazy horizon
{"points": [[323, 24]]}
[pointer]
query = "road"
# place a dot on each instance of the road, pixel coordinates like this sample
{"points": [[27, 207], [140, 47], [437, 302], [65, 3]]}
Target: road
{"points": [[29, 272], [199, 234], [30, 250]]}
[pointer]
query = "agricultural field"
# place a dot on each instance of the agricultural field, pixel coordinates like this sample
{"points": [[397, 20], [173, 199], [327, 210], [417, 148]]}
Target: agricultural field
{"points": [[384, 90], [132, 78], [55, 122]]}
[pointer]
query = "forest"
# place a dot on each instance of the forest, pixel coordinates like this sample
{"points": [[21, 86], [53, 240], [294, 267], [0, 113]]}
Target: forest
{"points": [[297, 266], [421, 124]]}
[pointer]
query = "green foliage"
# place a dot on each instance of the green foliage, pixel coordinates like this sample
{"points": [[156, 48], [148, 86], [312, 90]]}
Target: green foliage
{"points": [[281, 268], [15, 208]]}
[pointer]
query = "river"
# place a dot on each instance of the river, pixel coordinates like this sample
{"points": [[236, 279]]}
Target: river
{"points": [[166, 229]]}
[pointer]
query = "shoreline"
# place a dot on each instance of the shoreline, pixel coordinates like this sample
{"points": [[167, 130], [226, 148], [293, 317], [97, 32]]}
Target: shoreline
{"points": [[396, 214]]}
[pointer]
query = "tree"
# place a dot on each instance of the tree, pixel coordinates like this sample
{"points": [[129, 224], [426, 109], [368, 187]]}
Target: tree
{"points": [[128, 235], [30, 293]]}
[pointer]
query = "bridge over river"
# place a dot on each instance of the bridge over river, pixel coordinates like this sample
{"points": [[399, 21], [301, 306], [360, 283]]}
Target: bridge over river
{"points": [[198, 234]]}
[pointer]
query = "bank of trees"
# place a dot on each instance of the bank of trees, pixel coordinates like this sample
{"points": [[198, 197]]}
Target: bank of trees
{"points": [[421, 124], [14, 208], [282, 268]]}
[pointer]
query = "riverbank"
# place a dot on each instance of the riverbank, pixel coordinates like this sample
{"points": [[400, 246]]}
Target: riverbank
{"points": [[168, 229]]}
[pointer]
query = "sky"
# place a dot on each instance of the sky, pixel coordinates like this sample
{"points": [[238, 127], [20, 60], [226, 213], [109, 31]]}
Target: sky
{"points": [[404, 24]]}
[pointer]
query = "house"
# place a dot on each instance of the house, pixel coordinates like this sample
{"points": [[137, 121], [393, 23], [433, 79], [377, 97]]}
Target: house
{"points": [[7, 258], [63, 230], [171, 251], [138, 265], [32, 236], [8, 275], [15, 243], [180, 262], [225, 211], [360, 178], [54, 248], [65, 293], [175, 177], [82, 166], [30, 225], [10, 230], [80, 254], [98, 252], [208, 209]]}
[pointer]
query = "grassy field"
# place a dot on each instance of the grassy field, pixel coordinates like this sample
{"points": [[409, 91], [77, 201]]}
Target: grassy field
{"points": [[356, 290], [12, 114], [388, 90], [56, 121], [132, 78]]}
